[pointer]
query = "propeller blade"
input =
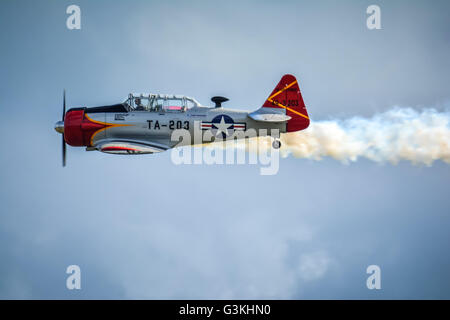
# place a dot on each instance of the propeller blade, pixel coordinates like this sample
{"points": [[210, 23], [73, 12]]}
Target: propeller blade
{"points": [[63, 151], [63, 141], [64, 105]]}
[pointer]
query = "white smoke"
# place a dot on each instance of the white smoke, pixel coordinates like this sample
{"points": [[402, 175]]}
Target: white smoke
{"points": [[391, 136]]}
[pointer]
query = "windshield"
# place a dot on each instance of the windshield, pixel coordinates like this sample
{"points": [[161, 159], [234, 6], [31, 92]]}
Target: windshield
{"points": [[161, 103]]}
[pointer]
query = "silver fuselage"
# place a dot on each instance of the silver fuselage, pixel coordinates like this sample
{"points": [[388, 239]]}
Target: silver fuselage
{"points": [[157, 127]]}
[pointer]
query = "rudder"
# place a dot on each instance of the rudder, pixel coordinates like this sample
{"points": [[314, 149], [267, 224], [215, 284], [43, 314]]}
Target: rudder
{"points": [[287, 96]]}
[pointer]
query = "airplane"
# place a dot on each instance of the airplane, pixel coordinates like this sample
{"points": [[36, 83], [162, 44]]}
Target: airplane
{"points": [[144, 124]]}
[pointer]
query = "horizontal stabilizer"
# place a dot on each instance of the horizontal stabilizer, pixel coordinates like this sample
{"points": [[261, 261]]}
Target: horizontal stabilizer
{"points": [[269, 117]]}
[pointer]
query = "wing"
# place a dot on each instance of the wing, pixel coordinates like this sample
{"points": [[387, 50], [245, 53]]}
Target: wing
{"points": [[130, 147]]}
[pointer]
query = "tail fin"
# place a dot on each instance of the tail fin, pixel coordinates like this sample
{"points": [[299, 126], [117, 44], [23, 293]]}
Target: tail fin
{"points": [[287, 96]]}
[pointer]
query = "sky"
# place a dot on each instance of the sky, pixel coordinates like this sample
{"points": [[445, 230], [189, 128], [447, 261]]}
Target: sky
{"points": [[142, 227]]}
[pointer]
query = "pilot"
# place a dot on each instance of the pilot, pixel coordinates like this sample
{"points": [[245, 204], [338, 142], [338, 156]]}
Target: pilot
{"points": [[138, 104]]}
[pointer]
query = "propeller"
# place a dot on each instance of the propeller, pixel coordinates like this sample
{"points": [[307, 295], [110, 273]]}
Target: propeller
{"points": [[63, 141]]}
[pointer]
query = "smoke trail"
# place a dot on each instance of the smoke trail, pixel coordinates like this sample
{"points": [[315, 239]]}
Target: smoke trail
{"points": [[392, 136]]}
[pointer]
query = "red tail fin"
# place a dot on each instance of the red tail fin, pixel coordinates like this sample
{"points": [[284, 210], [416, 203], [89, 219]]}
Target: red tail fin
{"points": [[287, 96]]}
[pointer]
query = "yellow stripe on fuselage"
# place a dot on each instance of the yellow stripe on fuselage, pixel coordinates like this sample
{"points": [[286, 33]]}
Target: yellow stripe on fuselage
{"points": [[108, 125]]}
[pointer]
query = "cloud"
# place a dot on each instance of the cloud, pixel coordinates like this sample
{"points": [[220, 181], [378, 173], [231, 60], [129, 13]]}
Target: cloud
{"points": [[313, 266]]}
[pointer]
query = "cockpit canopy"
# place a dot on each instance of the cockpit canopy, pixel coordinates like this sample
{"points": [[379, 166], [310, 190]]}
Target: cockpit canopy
{"points": [[160, 102]]}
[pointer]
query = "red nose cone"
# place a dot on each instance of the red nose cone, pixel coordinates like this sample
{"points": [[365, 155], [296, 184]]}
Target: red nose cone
{"points": [[72, 128], [78, 129]]}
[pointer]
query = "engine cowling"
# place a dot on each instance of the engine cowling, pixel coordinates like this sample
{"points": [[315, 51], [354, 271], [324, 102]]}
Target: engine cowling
{"points": [[78, 129]]}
